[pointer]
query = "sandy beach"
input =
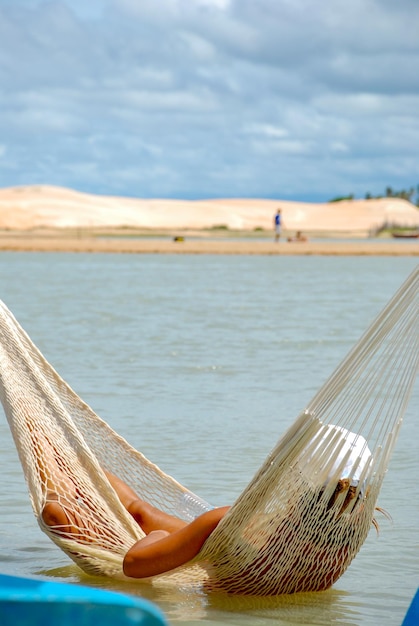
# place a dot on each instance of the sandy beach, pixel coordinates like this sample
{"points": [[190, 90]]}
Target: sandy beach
{"points": [[55, 219], [166, 244]]}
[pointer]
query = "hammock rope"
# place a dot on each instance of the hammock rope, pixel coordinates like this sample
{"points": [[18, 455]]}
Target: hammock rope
{"points": [[299, 522]]}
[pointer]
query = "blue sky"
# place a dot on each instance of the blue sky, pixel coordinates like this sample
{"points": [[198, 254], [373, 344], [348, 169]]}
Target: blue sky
{"points": [[287, 99]]}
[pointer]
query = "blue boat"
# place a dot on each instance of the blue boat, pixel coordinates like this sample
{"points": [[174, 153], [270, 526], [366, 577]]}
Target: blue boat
{"points": [[412, 615], [26, 601]]}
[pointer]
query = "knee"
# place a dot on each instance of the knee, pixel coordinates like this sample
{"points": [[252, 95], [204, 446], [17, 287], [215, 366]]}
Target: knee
{"points": [[139, 510]]}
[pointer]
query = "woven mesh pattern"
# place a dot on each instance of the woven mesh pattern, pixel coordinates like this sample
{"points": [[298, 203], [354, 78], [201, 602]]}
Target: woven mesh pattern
{"points": [[296, 526]]}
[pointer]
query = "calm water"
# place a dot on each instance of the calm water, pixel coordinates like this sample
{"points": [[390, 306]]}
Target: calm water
{"points": [[202, 362]]}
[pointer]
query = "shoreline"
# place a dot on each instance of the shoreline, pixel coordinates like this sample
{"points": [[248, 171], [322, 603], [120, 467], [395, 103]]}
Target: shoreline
{"points": [[134, 242]]}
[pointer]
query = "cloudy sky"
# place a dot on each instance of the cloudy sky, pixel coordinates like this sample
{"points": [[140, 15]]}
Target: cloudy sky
{"points": [[291, 99]]}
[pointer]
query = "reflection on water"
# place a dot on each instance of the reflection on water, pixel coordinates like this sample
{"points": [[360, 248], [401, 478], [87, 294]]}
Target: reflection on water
{"points": [[189, 607], [202, 363]]}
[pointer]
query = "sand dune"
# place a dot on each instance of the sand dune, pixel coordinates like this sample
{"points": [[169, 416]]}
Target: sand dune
{"points": [[32, 207]]}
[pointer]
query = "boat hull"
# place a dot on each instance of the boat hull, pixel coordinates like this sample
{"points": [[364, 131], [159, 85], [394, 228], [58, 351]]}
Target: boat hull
{"points": [[38, 602]]}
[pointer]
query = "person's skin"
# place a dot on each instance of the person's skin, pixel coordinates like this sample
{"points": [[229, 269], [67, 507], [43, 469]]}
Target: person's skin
{"points": [[54, 511], [161, 551], [169, 541]]}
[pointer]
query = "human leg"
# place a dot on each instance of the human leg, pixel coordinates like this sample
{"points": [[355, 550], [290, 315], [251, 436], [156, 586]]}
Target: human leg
{"points": [[158, 553], [147, 516], [60, 492]]}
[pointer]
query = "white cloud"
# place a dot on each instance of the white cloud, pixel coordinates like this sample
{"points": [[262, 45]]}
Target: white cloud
{"points": [[198, 98], [267, 131]]}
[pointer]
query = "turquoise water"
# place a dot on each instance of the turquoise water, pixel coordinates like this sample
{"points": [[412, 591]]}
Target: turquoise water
{"points": [[202, 362]]}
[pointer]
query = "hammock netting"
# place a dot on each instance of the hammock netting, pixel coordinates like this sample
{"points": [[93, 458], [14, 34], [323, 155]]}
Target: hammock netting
{"points": [[295, 527]]}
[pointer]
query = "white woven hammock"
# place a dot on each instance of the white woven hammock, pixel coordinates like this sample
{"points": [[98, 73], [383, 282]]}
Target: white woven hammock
{"points": [[296, 526]]}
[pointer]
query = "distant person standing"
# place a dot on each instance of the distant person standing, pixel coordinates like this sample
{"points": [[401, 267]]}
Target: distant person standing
{"points": [[278, 224]]}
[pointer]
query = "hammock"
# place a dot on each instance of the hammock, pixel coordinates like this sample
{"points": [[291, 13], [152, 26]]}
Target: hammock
{"points": [[296, 526]]}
